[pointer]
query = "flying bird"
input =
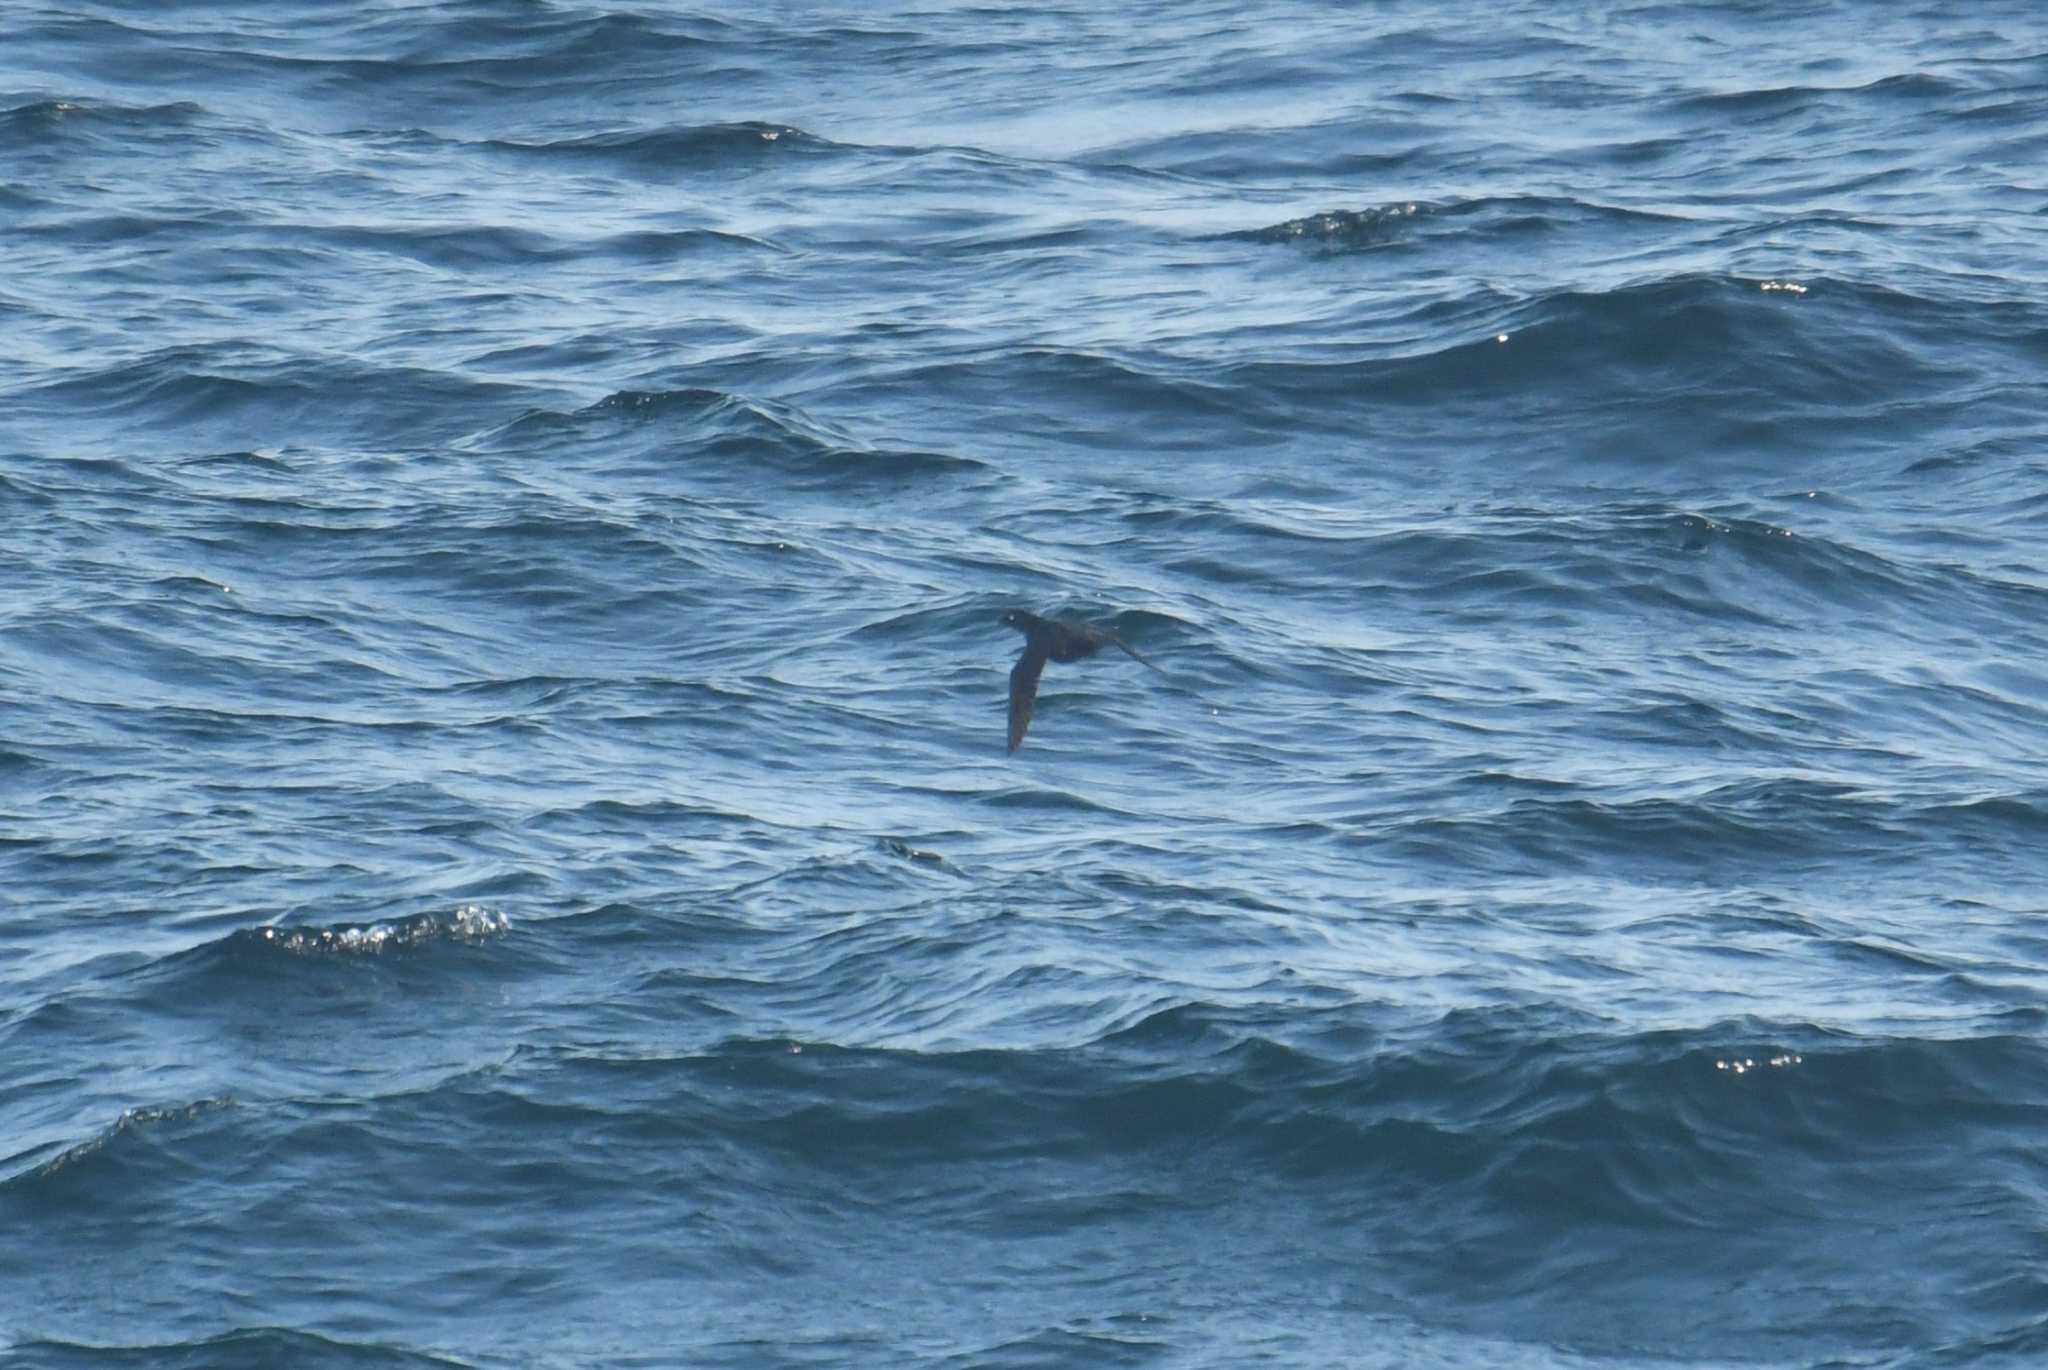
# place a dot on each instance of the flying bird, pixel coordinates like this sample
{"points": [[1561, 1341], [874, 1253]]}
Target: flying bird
{"points": [[1049, 639]]}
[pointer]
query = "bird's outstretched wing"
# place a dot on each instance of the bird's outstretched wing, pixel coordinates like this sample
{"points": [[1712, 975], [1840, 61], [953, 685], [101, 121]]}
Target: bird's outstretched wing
{"points": [[1024, 685], [1132, 652]]}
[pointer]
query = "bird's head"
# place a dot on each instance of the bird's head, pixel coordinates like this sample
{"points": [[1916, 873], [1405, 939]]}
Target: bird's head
{"points": [[1016, 618]]}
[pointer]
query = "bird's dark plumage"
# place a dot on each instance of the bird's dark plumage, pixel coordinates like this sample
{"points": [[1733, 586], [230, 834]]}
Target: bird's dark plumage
{"points": [[1049, 639]]}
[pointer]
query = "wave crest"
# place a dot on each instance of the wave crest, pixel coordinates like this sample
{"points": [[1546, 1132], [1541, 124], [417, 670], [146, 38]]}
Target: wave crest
{"points": [[1336, 228], [469, 923]]}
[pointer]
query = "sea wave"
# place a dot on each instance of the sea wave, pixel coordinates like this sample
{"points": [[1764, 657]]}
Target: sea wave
{"points": [[503, 800], [469, 923], [252, 1347], [679, 148]]}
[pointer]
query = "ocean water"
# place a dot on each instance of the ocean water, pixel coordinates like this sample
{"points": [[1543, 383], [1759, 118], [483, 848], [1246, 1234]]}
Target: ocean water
{"points": [[507, 852]]}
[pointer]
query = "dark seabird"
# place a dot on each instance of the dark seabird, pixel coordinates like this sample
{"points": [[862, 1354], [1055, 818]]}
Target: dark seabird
{"points": [[1049, 639]]}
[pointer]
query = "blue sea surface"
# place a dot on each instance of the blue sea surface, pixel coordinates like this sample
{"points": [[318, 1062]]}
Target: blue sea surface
{"points": [[508, 856]]}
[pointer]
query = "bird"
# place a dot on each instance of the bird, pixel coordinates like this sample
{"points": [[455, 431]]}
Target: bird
{"points": [[1049, 639]]}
